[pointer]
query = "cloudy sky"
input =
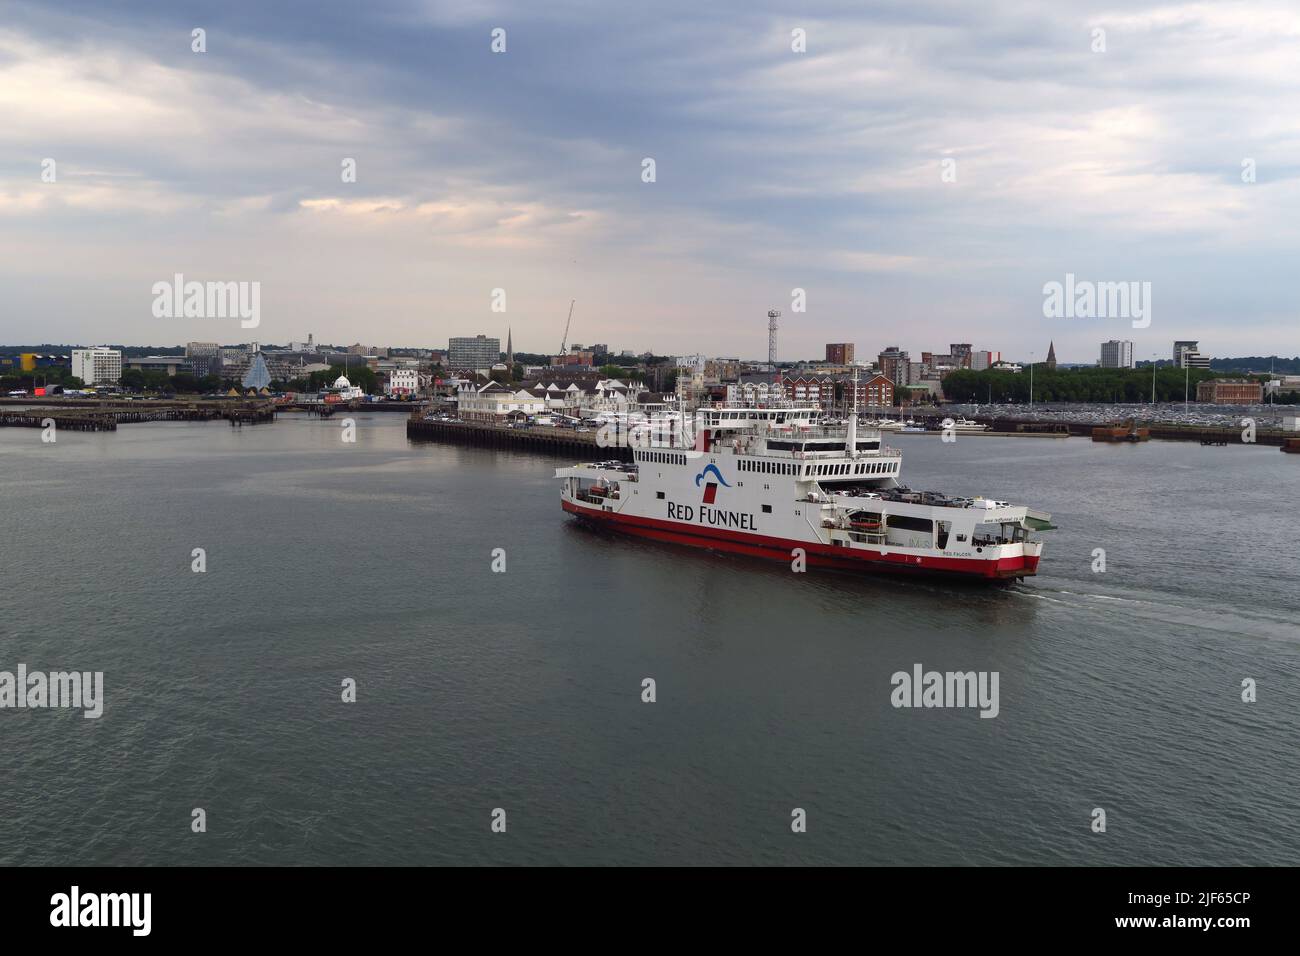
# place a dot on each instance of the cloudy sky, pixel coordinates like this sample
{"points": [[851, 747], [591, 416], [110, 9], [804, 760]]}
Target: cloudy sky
{"points": [[775, 170]]}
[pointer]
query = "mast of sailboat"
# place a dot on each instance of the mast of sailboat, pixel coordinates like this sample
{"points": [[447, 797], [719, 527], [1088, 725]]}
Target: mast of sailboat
{"points": [[852, 440]]}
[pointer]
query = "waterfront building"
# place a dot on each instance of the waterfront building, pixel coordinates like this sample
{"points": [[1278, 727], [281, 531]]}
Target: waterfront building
{"points": [[404, 382], [753, 394], [1116, 354], [478, 352], [1230, 391], [879, 391], [97, 366], [816, 391], [495, 404]]}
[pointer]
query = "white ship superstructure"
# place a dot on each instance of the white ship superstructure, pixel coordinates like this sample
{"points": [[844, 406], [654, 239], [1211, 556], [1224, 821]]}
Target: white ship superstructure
{"points": [[768, 481]]}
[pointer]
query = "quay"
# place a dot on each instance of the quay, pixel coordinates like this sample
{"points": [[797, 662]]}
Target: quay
{"points": [[539, 439], [1196, 433], [987, 434], [106, 416]]}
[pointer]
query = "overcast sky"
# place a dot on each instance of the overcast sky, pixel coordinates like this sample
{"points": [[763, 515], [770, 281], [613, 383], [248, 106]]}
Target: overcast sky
{"points": [[775, 170]]}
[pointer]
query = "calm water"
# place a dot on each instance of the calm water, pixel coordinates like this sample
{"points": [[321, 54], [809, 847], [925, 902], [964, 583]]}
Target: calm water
{"points": [[522, 690]]}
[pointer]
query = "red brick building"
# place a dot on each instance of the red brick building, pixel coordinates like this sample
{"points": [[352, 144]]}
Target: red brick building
{"points": [[839, 353], [1230, 391], [821, 390], [878, 391]]}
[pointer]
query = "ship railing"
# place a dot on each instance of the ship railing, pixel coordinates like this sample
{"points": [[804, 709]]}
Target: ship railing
{"points": [[867, 537]]}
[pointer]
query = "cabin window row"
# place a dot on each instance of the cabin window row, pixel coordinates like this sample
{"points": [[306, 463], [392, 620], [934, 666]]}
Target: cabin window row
{"points": [[858, 468], [664, 457], [769, 467]]}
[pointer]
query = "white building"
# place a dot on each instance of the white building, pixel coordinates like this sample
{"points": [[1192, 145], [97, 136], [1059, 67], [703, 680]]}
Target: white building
{"points": [[1116, 354], [345, 390], [478, 352], [494, 403], [1187, 354], [97, 366], [755, 394], [404, 381], [979, 361]]}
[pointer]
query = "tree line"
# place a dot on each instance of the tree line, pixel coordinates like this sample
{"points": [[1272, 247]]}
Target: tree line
{"points": [[1117, 385]]}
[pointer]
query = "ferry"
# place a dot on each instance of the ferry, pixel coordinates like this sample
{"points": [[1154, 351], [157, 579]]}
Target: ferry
{"points": [[770, 482]]}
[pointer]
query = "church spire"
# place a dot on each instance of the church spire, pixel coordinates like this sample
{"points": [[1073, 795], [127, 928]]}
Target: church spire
{"points": [[1051, 355], [510, 349]]}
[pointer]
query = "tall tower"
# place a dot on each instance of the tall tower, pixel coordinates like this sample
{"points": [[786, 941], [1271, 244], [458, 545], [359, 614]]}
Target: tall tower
{"points": [[510, 350], [1051, 355], [772, 316]]}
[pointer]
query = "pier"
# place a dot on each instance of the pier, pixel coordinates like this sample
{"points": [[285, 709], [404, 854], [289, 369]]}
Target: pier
{"points": [[106, 416], [540, 439]]}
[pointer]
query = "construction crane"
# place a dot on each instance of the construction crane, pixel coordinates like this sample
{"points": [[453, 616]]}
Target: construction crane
{"points": [[564, 344]]}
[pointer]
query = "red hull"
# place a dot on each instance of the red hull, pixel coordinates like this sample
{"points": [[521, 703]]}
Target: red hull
{"points": [[821, 555]]}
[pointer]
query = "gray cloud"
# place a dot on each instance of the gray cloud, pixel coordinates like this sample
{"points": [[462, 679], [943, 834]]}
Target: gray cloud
{"points": [[775, 170]]}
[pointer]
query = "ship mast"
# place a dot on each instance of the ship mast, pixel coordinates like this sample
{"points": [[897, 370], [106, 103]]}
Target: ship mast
{"points": [[852, 441]]}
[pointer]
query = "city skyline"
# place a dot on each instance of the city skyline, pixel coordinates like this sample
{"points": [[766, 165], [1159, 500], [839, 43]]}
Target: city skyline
{"points": [[923, 167]]}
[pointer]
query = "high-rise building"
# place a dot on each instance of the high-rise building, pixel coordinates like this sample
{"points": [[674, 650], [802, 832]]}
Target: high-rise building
{"points": [[839, 353], [895, 365], [473, 353], [961, 354], [1116, 354], [984, 359], [1187, 354], [203, 358], [97, 366]]}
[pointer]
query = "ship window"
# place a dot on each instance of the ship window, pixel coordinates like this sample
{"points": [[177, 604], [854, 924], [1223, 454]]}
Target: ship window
{"points": [[767, 509], [659, 494], [909, 523]]}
